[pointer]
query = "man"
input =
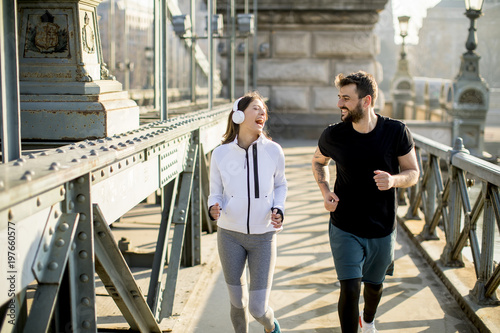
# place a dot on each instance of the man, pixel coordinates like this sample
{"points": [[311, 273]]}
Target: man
{"points": [[373, 155]]}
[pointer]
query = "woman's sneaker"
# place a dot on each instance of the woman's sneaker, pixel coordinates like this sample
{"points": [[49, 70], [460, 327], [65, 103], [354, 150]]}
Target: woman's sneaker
{"points": [[276, 327], [366, 327]]}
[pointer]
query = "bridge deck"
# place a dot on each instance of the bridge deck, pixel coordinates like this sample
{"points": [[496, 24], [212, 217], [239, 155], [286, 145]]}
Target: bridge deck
{"points": [[305, 290]]}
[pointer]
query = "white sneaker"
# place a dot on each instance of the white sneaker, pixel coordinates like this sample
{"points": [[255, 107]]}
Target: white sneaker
{"points": [[366, 327]]}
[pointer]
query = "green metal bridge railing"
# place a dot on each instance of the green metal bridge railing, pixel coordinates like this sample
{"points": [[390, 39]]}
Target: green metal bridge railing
{"points": [[56, 207], [447, 200]]}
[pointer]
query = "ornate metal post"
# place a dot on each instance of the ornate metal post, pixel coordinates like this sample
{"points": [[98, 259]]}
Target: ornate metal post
{"points": [[403, 88]]}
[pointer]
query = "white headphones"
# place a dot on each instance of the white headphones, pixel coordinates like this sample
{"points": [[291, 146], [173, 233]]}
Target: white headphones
{"points": [[238, 115]]}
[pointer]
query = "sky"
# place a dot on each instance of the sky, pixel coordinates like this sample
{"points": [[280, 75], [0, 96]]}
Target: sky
{"points": [[417, 10]]}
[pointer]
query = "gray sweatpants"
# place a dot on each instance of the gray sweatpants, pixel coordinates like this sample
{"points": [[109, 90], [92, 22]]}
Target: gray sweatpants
{"points": [[260, 250]]}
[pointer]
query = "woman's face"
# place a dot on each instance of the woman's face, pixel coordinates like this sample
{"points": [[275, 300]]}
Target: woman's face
{"points": [[255, 117]]}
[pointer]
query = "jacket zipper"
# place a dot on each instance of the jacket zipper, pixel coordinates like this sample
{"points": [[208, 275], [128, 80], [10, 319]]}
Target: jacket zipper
{"points": [[256, 180], [248, 191]]}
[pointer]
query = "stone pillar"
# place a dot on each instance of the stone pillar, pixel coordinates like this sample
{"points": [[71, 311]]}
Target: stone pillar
{"points": [[470, 105], [66, 91], [403, 91], [302, 46]]}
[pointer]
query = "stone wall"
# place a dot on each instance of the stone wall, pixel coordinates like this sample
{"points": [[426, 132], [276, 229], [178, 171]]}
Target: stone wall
{"points": [[302, 47]]}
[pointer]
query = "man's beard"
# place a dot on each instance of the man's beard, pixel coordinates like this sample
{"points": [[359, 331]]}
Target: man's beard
{"points": [[355, 115]]}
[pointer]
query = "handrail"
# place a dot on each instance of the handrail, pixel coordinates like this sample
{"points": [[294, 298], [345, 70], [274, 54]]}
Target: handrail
{"points": [[448, 202], [56, 205]]}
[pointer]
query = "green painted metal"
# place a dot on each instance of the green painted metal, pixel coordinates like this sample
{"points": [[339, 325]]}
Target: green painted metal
{"points": [[118, 279], [49, 266], [10, 133], [180, 216], [459, 218]]}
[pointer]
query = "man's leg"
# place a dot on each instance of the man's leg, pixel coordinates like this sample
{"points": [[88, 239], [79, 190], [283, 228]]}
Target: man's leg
{"points": [[349, 305], [372, 294]]}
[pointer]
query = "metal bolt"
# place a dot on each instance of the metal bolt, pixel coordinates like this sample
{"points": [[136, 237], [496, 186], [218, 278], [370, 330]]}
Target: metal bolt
{"points": [[82, 236], [55, 166], [85, 324], [83, 254], [84, 278], [60, 242], [64, 226], [53, 266], [101, 234], [80, 198], [85, 301], [28, 175]]}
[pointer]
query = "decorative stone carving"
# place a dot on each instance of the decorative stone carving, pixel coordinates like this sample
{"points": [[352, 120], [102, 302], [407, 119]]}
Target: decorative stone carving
{"points": [[46, 36], [88, 37]]}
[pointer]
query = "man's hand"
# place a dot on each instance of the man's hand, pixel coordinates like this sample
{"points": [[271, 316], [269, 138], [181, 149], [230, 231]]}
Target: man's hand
{"points": [[331, 201], [215, 211], [384, 180]]}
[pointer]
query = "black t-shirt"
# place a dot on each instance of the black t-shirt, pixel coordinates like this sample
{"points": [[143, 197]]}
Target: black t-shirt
{"points": [[363, 209]]}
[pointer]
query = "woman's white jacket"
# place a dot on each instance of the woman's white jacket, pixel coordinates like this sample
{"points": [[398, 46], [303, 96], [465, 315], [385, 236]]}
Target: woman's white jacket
{"points": [[247, 184]]}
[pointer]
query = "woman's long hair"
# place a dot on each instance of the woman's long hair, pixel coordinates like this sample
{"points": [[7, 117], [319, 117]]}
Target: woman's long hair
{"points": [[233, 129]]}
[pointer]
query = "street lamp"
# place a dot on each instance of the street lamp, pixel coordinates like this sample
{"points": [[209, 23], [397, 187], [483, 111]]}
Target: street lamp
{"points": [[473, 10], [471, 92], [402, 86], [403, 32]]}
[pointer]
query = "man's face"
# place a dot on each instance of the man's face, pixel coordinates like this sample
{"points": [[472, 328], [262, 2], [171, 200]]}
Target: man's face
{"points": [[349, 104]]}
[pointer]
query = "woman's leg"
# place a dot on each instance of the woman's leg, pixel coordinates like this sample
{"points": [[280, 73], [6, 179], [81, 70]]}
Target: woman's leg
{"points": [[349, 305], [261, 262], [233, 256]]}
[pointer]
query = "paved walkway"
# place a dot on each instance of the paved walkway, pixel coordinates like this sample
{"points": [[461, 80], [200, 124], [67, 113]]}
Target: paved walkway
{"points": [[305, 290]]}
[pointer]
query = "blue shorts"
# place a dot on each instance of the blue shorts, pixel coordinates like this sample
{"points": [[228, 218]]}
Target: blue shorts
{"points": [[370, 259]]}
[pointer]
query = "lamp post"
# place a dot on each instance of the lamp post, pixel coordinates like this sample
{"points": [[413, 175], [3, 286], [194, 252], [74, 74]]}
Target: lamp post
{"points": [[471, 92], [403, 32], [402, 86]]}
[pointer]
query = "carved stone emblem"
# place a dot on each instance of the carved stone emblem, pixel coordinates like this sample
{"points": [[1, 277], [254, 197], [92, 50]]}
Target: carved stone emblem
{"points": [[47, 37], [88, 36], [471, 96]]}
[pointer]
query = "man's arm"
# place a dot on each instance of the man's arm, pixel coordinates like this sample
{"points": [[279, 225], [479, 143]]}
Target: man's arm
{"points": [[322, 175], [408, 176]]}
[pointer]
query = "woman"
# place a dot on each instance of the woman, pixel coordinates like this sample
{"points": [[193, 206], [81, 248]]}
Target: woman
{"points": [[247, 198]]}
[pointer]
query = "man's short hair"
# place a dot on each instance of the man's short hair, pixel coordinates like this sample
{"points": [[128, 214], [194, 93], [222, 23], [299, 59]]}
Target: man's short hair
{"points": [[365, 84]]}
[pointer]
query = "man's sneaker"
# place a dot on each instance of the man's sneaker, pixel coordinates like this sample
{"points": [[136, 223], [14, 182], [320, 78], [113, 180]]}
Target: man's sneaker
{"points": [[276, 327], [366, 327]]}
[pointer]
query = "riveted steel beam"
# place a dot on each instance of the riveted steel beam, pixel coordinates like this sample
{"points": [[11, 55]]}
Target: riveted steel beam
{"points": [[180, 216], [81, 271], [48, 267], [118, 279]]}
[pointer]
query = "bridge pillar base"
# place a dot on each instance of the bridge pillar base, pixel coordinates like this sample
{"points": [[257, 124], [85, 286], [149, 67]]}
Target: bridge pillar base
{"points": [[478, 295]]}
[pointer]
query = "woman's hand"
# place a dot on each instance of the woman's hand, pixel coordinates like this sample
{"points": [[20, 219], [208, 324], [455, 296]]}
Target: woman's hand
{"points": [[276, 218], [215, 211]]}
